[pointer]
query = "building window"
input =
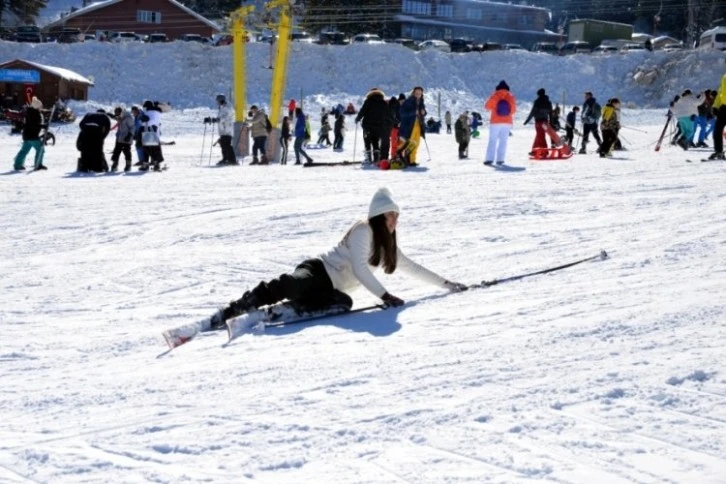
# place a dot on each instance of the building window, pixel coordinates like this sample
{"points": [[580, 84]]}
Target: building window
{"points": [[473, 14], [416, 8], [445, 10], [147, 17]]}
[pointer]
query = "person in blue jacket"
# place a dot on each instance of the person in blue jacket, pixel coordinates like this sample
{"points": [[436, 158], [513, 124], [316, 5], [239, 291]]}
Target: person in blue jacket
{"points": [[300, 136], [411, 130]]}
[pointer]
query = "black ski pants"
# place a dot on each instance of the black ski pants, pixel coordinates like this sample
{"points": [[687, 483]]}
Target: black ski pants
{"points": [[338, 141], [258, 144], [586, 130], [718, 130], [308, 287], [119, 148], [283, 156], [225, 143]]}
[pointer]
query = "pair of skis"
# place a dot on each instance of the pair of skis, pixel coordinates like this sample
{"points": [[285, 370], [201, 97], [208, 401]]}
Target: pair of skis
{"points": [[276, 315]]}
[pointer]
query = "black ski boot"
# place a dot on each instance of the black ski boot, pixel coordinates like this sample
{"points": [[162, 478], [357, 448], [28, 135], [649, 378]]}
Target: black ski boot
{"points": [[717, 156], [114, 166]]}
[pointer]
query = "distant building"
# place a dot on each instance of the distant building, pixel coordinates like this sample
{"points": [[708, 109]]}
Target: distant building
{"points": [[141, 17], [48, 83], [479, 20]]}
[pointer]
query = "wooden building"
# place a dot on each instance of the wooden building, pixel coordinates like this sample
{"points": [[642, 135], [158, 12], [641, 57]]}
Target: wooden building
{"points": [[48, 83], [142, 17]]}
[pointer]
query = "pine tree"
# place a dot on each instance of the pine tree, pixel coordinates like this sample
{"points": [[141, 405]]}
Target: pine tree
{"points": [[25, 10]]}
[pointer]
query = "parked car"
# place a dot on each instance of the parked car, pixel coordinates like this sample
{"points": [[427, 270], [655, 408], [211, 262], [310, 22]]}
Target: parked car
{"points": [[155, 38], [434, 44], [604, 49], [89, 37], [302, 36], [461, 45], [124, 37], [332, 38], [410, 43], [576, 47], [65, 36], [513, 47], [192, 38], [632, 47], [673, 48], [28, 33], [366, 39], [487, 46], [546, 47]]}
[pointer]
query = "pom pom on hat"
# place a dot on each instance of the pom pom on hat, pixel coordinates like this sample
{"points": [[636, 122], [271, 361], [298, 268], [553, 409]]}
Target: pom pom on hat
{"points": [[381, 203]]}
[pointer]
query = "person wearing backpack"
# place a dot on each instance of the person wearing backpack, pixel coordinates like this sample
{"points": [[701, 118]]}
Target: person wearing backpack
{"points": [[502, 106], [590, 116]]}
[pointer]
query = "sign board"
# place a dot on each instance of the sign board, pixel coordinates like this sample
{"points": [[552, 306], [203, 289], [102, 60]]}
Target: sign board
{"points": [[19, 75]]}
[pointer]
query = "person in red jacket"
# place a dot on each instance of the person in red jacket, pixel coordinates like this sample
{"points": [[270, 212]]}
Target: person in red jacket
{"points": [[291, 108], [502, 106]]}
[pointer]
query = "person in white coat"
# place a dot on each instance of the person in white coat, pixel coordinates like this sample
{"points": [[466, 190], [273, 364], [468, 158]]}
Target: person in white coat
{"points": [[324, 282], [685, 109], [225, 126], [151, 123]]}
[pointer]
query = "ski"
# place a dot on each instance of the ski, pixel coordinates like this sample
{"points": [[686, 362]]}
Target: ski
{"points": [[311, 164], [284, 314]]}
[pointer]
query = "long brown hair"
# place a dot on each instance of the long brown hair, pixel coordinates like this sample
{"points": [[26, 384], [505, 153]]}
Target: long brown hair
{"points": [[384, 245]]}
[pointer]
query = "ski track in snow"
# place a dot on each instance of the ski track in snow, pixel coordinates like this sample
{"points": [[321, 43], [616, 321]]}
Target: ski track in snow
{"points": [[610, 371]]}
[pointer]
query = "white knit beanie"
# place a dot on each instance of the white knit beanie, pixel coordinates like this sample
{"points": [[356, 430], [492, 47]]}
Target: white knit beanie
{"points": [[36, 103], [382, 203]]}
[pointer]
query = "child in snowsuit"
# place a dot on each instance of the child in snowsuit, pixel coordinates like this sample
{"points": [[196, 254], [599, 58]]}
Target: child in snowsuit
{"points": [[462, 133], [570, 124]]}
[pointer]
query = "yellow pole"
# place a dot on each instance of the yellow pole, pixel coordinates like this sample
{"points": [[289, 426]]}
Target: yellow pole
{"points": [[241, 142], [283, 50]]}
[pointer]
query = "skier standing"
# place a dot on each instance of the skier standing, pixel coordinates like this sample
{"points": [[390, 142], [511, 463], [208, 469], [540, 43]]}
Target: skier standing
{"points": [[140, 153], [323, 282], [31, 136], [338, 130], [609, 126], [225, 128], [502, 106], [124, 138], [410, 132], [447, 120], [570, 123], [590, 116], [151, 123], [300, 136]]}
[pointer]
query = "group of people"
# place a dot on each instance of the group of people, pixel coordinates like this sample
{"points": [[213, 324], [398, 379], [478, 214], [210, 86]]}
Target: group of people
{"points": [[392, 128], [704, 113]]}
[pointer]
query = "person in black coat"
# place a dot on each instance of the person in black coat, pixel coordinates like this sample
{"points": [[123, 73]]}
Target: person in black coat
{"points": [[32, 127], [377, 123], [541, 111], [94, 129], [338, 128]]}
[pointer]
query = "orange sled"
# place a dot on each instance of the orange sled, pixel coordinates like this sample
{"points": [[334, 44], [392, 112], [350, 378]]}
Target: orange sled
{"points": [[561, 153]]}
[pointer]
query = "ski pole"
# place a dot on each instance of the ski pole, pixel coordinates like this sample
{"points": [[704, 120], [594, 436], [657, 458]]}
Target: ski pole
{"points": [[211, 146], [355, 138], [427, 148], [601, 256], [204, 137]]}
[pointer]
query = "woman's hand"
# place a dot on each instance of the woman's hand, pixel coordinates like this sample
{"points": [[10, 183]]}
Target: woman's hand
{"points": [[392, 301], [455, 286]]}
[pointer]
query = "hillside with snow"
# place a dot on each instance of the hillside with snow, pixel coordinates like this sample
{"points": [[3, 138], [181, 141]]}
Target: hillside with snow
{"points": [[610, 371]]}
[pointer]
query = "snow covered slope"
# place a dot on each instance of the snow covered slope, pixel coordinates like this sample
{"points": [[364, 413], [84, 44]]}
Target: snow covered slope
{"points": [[608, 372]]}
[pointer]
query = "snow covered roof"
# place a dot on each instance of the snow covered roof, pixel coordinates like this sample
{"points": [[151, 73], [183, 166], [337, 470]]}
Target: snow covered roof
{"points": [[58, 71], [107, 3]]}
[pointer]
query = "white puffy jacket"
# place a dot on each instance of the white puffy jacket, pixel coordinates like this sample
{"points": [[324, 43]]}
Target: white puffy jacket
{"points": [[686, 106], [226, 120], [347, 263]]}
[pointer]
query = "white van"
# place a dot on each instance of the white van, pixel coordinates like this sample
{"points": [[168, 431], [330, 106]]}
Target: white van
{"points": [[435, 44]]}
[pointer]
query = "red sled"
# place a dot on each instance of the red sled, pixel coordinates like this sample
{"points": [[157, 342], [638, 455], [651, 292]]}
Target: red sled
{"points": [[561, 153]]}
